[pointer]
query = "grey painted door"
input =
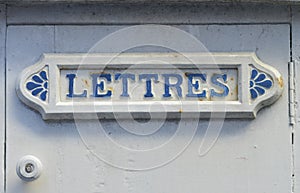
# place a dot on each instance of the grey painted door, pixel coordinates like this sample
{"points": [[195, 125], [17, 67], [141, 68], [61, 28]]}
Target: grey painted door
{"points": [[249, 155]]}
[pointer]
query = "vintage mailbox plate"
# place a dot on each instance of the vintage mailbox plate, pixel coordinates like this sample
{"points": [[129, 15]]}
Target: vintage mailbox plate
{"points": [[91, 86]]}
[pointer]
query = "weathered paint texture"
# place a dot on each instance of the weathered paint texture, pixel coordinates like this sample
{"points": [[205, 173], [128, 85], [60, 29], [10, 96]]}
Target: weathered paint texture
{"points": [[296, 93], [243, 82], [2, 91], [249, 155]]}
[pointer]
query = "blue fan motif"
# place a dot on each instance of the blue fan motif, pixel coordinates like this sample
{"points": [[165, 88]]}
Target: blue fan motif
{"points": [[38, 86], [259, 83]]}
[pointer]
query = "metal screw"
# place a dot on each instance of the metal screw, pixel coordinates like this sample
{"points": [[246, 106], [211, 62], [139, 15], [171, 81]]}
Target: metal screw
{"points": [[29, 168]]}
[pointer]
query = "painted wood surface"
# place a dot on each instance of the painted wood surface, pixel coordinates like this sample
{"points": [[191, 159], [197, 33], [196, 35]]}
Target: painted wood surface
{"points": [[249, 155], [147, 14], [296, 78], [2, 90]]}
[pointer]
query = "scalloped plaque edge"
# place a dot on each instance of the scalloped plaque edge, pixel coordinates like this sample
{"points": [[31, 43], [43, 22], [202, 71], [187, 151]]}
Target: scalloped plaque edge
{"points": [[46, 102]]}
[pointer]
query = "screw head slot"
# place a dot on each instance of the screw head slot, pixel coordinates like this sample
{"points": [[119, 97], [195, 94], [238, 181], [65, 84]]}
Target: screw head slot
{"points": [[29, 168]]}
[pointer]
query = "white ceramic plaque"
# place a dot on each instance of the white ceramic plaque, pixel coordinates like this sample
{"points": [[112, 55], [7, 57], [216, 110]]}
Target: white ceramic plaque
{"points": [[92, 86]]}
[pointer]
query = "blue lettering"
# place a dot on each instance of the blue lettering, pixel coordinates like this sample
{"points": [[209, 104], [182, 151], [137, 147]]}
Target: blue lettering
{"points": [[125, 78], [215, 80], [196, 85], [148, 78], [97, 86], [176, 85], [71, 93]]}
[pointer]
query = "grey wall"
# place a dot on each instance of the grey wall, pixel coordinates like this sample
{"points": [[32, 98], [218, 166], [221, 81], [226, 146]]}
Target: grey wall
{"points": [[259, 155]]}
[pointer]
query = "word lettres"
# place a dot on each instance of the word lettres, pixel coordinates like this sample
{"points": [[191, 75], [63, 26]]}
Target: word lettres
{"points": [[194, 84], [103, 85]]}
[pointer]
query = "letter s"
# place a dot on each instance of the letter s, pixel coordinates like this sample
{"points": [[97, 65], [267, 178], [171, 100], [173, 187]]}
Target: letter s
{"points": [[215, 80]]}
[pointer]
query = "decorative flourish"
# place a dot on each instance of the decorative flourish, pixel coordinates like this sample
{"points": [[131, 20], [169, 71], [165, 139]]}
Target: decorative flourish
{"points": [[39, 85], [259, 82]]}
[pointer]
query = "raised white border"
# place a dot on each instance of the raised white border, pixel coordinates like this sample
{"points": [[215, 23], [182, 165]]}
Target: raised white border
{"points": [[243, 108]]}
